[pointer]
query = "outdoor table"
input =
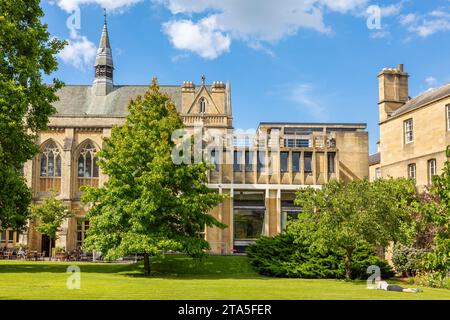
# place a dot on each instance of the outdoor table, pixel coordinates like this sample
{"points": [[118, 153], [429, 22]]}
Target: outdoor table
{"points": [[35, 255]]}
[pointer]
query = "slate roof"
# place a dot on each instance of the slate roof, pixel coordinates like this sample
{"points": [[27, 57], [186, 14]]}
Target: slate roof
{"points": [[422, 100], [79, 100], [374, 159]]}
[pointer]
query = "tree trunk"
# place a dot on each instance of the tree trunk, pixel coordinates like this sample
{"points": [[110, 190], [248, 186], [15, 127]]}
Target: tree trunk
{"points": [[348, 263], [50, 250], [146, 264]]}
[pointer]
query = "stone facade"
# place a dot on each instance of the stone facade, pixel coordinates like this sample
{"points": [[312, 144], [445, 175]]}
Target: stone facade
{"points": [[414, 132], [260, 181]]}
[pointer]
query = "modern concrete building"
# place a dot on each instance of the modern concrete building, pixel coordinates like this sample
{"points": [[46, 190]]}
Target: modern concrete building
{"points": [[260, 174], [414, 132]]}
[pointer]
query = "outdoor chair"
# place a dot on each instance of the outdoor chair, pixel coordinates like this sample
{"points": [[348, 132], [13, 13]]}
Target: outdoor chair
{"points": [[40, 256]]}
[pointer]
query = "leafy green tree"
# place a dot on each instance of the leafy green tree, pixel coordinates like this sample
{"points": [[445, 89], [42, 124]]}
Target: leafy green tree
{"points": [[439, 259], [344, 215], [149, 204], [49, 216], [26, 53]]}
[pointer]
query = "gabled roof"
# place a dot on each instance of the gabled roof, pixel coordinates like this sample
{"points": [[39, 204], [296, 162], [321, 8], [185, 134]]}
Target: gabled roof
{"points": [[422, 100], [80, 100], [375, 159]]}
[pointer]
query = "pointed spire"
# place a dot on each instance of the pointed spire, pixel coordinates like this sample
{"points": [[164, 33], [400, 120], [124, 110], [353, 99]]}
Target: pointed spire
{"points": [[104, 66], [104, 40]]}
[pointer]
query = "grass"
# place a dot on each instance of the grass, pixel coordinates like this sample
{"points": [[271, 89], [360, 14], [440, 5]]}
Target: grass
{"points": [[178, 277]]}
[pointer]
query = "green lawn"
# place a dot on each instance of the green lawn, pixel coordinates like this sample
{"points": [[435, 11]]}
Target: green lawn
{"points": [[178, 277]]}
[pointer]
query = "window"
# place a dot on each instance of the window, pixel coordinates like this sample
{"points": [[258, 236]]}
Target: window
{"points": [[215, 160], [308, 162], [412, 171], [289, 215], [377, 173], [289, 210], [237, 167], [50, 162], [261, 161], [409, 131], [331, 162], [82, 227], [295, 161], [202, 105], [284, 159], [432, 170], [249, 161], [87, 163], [448, 117], [297, 143], [7, 236], [249, 213], [248, 224]]}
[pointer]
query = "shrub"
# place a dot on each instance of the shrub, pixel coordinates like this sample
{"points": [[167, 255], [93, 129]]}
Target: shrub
{"points": [[432, 279], [281, 256], [363, 257], [408, 260]]}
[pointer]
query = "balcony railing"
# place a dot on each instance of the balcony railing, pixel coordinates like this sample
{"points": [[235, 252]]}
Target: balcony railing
{"points": [[207, 119]]}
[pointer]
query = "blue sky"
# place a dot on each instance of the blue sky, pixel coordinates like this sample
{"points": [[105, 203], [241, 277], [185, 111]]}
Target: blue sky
{"points": [[290, 60]]}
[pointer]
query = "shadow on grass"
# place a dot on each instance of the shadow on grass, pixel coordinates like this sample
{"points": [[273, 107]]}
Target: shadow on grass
{"points": [[170, 266]]}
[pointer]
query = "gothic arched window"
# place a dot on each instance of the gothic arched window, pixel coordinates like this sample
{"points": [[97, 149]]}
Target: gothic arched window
{"points": [[87, 162], [50, 161], [202, 105]]}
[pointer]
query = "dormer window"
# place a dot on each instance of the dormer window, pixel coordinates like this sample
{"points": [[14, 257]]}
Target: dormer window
{"points": [[202, 105]]}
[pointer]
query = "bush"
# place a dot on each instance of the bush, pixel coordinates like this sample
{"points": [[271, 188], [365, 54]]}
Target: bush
{"points": [[408, 260], [432, 279], [364, 256], [281, 256]]}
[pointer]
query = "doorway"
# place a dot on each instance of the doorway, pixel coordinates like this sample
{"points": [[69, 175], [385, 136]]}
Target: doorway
{"points": [[45, 245]]}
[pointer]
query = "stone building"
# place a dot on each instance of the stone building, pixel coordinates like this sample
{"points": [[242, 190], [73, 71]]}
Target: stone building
{"points": [[414, 132], [259, 176]]}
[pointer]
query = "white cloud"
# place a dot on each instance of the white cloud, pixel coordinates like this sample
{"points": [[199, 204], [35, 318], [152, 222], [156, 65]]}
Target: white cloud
{"points": [[252, 21], [69, 5], [344, 6], [203, 38], [427, 24], [303, 95], [430, 27], [431, 80], [380, 34], [407, 19], [391, 10], [80, 53]]}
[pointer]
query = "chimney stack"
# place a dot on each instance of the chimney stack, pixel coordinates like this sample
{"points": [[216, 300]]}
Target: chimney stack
{"points": [[393, 90]]}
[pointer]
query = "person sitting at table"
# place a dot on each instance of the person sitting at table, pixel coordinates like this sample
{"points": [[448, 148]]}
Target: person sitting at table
{"points": [[21, 253]]}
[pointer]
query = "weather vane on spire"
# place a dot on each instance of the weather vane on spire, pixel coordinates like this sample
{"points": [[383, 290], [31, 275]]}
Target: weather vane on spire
{"points": [[104, 14]]}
